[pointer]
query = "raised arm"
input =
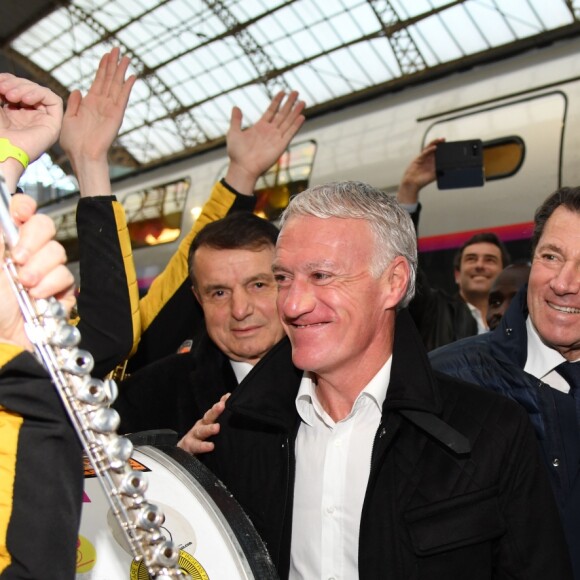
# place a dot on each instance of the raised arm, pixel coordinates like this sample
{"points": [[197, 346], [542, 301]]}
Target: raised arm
{"points": [[91, 123], [30, 122], [418, 174], [108, 302], [254, 150]]}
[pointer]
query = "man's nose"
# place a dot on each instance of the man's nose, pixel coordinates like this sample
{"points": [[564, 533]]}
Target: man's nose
{"points": [[296, 299], [567, 279], [242, 305]]}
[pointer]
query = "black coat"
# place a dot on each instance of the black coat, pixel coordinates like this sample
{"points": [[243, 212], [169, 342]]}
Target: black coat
{"points": [[456, 488]]}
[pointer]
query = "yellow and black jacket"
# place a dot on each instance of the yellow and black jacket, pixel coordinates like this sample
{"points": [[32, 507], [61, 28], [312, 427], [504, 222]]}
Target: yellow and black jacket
{"points": [[41, 474]]}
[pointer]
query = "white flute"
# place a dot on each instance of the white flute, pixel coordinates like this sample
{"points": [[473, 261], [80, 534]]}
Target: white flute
{"points": [[87, 401]]}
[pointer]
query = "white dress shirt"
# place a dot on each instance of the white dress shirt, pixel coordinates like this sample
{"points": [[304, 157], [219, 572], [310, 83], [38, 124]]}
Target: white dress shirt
{"points": [[333, 463]]}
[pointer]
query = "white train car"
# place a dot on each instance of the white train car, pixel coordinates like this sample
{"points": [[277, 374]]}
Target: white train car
{"points": [[525, 109]]}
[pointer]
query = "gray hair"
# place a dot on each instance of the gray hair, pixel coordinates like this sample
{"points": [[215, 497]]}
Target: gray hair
{"points": [[391, 225]]}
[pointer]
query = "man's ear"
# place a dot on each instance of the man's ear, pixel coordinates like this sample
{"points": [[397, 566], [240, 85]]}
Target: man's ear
{"points": [[396, 281], [457, 275]]}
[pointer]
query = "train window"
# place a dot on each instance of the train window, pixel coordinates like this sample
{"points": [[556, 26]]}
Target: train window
{"points": [[153, 217], [154, 214], [289, 176], [502, 157]]}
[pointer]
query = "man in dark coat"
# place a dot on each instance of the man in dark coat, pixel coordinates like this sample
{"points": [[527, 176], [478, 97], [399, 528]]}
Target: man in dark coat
{"points": [[368, 464], [538, 336]]}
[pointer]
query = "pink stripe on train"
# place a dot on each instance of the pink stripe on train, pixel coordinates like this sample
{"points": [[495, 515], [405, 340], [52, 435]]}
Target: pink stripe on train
{"points": [[450, 241]]}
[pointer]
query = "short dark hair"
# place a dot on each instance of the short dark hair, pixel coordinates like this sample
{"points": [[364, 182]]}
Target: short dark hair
{"points": [[239, 230], [569, 197], [487, 237]]}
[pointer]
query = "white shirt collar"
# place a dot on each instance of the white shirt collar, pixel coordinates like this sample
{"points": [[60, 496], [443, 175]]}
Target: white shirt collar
{"points": [[542, 360], [307, 402], [476, 313], [241, 369]]}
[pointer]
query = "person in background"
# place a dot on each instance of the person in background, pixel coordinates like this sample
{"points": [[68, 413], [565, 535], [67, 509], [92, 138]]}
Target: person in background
{"points": [[533, 355], [41, 469], [443, 318], [504, 288]]}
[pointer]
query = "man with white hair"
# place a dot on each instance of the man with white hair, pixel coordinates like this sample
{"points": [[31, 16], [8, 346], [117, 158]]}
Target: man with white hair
{"points": [[368, 464]]}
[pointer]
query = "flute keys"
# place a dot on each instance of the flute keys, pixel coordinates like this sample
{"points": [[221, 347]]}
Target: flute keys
{"points": [[50, 308], [165, 554], [78, 362], [133, 484], [149, 517], [112, 390], [119, 452], [92, 391], [65, 336], [105, 420]]}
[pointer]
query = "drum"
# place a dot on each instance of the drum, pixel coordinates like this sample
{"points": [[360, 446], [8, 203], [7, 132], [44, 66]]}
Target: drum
{"points": [[216, 539]]}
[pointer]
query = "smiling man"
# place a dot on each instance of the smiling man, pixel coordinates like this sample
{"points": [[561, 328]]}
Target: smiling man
{"points": [[533, 356], [386, 451], [477, 264], [232, 279], [350, 456], [230, 263]]}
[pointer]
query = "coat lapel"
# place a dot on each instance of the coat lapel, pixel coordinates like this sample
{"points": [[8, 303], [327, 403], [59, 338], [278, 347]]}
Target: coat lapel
{"points": [[269, 391], [413, 391]]}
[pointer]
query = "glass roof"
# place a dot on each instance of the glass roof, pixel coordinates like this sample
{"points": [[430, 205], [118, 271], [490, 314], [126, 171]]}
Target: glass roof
{"points": [[196, 59]]}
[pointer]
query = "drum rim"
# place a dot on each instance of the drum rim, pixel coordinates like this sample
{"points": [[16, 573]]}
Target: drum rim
{"points": [[206, 487]]}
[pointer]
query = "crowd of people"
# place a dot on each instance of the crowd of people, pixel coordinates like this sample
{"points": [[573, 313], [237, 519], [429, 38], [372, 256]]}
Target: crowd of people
{"points": [[369, 424]]}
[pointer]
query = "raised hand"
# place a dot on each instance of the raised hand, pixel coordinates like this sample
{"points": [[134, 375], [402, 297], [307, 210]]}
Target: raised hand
{"points": [[419, 173], [30, 118], [194, 441], [91, 123], [254, 150]]}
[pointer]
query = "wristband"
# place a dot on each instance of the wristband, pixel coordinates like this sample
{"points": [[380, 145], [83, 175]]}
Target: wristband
{"points": [[8, 150]]}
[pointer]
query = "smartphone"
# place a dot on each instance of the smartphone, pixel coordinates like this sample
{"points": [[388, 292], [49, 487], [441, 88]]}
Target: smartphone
{"points": [[459, 164]]}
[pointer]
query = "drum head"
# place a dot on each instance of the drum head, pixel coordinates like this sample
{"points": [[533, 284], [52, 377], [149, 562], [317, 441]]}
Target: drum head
{"points": [[216, 539]]}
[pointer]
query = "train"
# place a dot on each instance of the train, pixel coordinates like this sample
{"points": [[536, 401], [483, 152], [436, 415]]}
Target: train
{"points": [[525, 110]]}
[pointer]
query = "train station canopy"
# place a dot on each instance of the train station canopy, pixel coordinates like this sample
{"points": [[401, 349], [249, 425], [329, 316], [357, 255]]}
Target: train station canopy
{"points": [[195, 59]]}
